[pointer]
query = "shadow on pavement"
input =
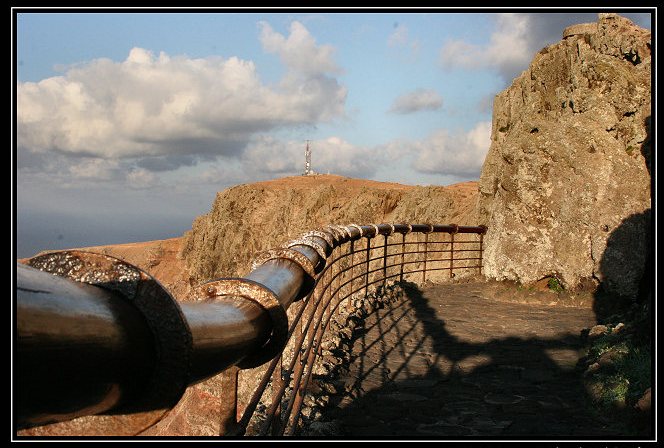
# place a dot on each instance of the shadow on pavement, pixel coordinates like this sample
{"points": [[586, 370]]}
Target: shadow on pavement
{"points": [[458, 367]]}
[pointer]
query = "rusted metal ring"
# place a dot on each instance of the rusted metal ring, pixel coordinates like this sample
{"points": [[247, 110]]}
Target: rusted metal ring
{"points": [[330, 230], [284, 253], [344, 231], [410, 229], [266, 298], [430, 228], [375, 227], [309, 242], [340, 231], [324, 235], [357, 227], [173, 341], [456, 229], [484, 229]]}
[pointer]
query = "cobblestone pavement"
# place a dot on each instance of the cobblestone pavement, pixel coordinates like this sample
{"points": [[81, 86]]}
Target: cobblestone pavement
{"points": [[452, 362]]}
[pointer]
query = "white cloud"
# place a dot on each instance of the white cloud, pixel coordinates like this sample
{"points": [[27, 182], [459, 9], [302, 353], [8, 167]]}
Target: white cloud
{"points": [[443, 153], [141, 178], [516, 39], [509, 49], [299, 50], [420, 99], [94, 169], [269, 154], [164, 111], [453, 153]]}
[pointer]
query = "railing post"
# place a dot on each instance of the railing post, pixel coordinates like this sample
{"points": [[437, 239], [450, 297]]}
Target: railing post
{"points": [[366, 282], [426, 250], [277, 381], [403, 250], [301, 361], [481, 250], [352, 266], [451, 255], [337, 277], [228, 412], [384, 260]]}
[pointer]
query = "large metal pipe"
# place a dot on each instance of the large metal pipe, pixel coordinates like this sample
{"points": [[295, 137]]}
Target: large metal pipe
{"points": [[80, 349], [223, 333], [84, 350], [283, 277]]}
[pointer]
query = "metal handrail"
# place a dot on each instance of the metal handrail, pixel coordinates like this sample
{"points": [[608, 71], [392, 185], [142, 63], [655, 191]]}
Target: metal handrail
{"points": [[280, 419], [157, 346]]}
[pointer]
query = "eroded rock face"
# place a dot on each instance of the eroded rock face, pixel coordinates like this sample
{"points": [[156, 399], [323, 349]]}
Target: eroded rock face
{"points": [[248, 219], [565, 188]]}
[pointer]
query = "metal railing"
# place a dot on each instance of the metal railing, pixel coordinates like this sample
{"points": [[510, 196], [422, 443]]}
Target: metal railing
{"points": [[154, 347], [357, 263]]}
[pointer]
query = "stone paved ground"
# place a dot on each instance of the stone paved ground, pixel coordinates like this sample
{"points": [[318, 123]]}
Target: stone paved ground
{"points": [[451, 361]]}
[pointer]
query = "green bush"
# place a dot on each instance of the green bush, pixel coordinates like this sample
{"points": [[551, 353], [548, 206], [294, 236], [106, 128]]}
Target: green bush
{"points": [[555, 285], [630, 376]]}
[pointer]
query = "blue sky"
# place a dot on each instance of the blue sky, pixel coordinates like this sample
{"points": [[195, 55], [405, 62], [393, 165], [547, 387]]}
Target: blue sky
{"points": [[128, 123]]}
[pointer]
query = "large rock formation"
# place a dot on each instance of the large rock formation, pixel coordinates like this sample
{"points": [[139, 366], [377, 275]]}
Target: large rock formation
{"points": [[565, 188], [250, 218]]}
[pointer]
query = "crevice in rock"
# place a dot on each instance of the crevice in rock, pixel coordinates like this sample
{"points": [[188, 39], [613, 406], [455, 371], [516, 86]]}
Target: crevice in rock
{"points": [[632, 56]]}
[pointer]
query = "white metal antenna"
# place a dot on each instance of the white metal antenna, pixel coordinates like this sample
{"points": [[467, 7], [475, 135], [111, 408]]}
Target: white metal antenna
{"points": [[307, 160]]}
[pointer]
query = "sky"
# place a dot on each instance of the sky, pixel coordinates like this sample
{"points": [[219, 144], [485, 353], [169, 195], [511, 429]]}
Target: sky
{"points": [[128, 123]]}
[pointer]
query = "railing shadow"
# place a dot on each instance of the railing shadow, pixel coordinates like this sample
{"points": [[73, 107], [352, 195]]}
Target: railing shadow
{"points": [[420, 370]]}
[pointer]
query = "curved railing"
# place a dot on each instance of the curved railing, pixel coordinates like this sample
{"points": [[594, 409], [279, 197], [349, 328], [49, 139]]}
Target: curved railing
{"points": [[278, 313]]}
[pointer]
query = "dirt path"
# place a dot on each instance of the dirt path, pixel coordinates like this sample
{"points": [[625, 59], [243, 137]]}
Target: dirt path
{"points": [[452, 361]]}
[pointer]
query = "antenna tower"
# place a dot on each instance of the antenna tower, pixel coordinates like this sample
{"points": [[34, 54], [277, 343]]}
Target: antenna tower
{"points": [[307, 160]]}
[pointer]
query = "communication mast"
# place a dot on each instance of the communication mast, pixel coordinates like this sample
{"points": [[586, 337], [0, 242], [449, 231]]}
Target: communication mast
{"points": [[307, 160]]}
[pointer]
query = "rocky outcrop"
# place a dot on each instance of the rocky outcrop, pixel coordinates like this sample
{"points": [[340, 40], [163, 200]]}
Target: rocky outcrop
{"points": [[565, 188], [248, 219]]}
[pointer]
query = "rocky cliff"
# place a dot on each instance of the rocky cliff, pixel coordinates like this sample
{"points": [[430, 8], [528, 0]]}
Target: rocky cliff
{"points": [[250, 218], [565, 188]]}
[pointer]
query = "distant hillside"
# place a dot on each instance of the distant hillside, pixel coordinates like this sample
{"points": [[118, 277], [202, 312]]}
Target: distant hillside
{"points": [[250, 218]]}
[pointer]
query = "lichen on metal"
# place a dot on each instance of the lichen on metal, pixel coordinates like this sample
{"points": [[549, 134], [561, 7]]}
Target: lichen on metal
{"points": [[324, 235], [342, 230], [250, 290], [288, 254], [320, 250], [94, 269], [337, 234]]}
